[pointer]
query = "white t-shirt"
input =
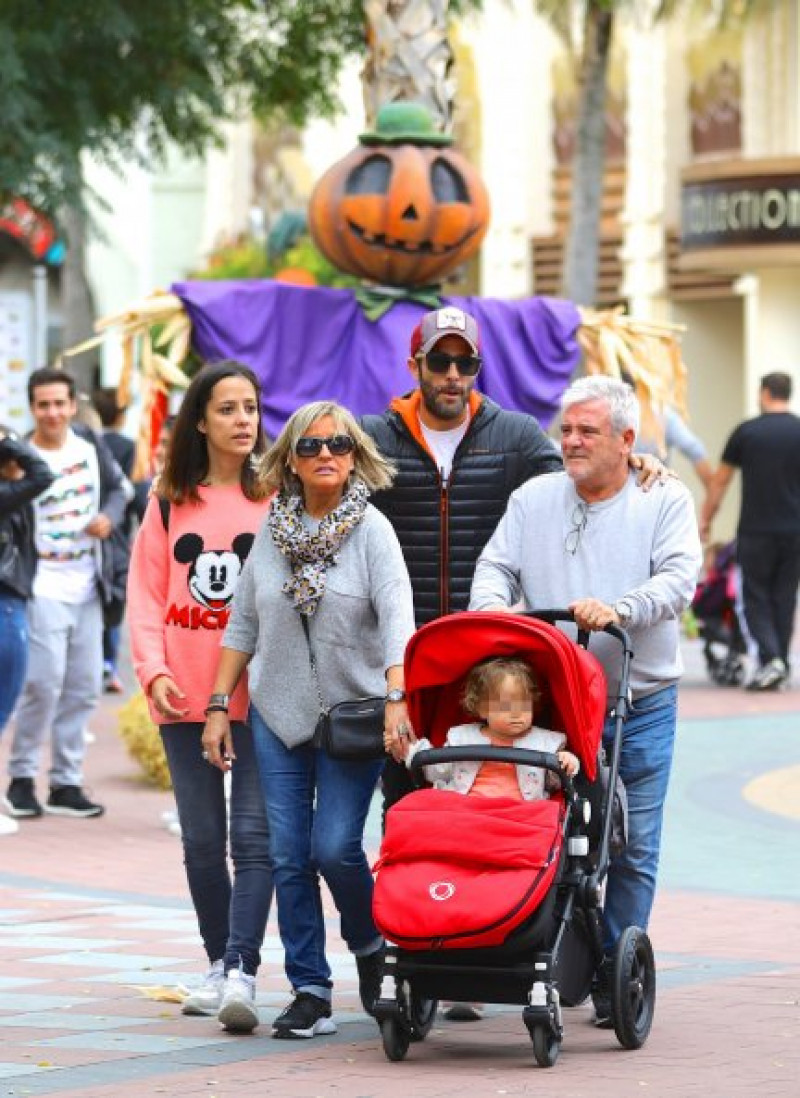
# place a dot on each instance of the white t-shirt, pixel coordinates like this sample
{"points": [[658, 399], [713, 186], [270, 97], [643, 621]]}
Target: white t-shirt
{"points": [[443, 445], [67, 568]]}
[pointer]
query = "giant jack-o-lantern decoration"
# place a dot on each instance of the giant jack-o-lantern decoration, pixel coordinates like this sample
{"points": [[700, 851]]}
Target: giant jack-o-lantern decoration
{"points": [[403, 209]]}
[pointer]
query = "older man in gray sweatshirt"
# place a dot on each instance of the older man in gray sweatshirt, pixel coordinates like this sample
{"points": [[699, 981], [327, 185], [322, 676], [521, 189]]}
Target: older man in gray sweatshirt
{"points": [[588, 539]]}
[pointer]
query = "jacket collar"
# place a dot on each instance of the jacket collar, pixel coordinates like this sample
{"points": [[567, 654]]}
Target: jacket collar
{"points": [[407, 407]]}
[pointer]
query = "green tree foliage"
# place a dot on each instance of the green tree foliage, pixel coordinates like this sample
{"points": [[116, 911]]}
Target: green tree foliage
{"points": [[125, 78]]}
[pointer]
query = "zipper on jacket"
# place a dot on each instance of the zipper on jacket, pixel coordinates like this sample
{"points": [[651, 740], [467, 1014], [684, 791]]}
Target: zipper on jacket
{"points": [[444, 547]]}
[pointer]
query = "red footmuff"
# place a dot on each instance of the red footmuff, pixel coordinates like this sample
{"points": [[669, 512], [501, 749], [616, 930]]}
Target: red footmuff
{"points": [[460, 872]]}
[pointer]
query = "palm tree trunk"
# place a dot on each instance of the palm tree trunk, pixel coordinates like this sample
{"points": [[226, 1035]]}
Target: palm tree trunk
{"points": [[409, 57], [579, 274], [77, 304]]}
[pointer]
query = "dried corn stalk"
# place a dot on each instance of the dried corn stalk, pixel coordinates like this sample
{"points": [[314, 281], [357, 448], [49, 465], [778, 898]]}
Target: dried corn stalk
{"points": [[647, 355], [155, 335]]}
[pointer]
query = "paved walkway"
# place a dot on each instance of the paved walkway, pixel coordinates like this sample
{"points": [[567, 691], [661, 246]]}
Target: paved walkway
{"points": [[94, 921]]}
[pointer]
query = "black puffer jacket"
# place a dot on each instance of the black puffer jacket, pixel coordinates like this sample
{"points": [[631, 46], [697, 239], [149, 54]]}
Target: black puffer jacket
{"points": [[443, 529], [17, 531]]}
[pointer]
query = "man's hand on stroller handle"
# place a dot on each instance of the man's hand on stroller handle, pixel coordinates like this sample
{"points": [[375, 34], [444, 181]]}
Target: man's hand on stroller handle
{"points": [[592, 614]]}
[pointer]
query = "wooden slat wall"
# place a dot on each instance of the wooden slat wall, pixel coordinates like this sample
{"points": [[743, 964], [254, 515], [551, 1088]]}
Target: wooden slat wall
{"points": [[548, 251]]}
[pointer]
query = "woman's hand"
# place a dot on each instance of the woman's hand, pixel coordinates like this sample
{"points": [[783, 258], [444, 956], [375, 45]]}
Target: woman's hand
{"points": [[164, 692], [397, 731], [218, 740], [569, 763]]}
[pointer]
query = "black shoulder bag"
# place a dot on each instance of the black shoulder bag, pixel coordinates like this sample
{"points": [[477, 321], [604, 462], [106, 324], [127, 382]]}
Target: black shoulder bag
{"points": [[351, 731]]}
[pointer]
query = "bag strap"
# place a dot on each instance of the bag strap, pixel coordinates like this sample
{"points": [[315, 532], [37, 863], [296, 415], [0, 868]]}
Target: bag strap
{"points": [[312, 660]]}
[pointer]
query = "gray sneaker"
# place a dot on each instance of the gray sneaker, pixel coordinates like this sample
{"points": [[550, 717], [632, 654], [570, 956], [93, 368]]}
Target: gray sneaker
{"points": [[238, 1012], [207, 997]]}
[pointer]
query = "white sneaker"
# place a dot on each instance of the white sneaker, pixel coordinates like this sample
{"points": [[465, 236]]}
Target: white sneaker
{"points": [[206, 998], [238, 1012], [7, 825]]}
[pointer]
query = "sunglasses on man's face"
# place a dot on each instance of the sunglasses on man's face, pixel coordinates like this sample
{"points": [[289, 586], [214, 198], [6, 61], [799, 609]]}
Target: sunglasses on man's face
{"points": [[439, 362], [310, 446]]}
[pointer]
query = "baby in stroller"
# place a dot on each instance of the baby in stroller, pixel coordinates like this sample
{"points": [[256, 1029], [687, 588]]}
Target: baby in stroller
{"points": [[714, 607], [503, 692]]}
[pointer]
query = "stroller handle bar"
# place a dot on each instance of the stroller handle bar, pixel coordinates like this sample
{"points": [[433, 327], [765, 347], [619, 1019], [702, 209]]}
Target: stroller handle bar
{"points": [[553, 616], [519, 756]]}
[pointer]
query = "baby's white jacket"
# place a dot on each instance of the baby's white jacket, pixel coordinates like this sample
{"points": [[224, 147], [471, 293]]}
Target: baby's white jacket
{"points": [[459, 777]]}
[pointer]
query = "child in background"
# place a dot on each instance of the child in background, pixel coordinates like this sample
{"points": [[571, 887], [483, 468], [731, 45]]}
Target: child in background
{"points": [[503, 693]]}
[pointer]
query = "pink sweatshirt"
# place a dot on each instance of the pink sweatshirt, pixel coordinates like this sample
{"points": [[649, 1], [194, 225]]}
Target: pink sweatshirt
{"points": [[180, 586]]}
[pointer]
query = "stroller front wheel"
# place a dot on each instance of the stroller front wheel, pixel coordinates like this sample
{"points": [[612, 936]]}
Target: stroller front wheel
{"points": [[546, 1046], [396, 1039], [633, 988]]}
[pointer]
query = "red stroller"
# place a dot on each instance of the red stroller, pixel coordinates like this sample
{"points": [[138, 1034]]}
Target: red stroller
{"points": [[498, 900]]}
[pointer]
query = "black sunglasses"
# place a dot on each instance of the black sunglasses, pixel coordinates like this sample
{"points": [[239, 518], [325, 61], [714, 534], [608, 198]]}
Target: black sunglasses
{"points": [[310, 446], [439, 362]]}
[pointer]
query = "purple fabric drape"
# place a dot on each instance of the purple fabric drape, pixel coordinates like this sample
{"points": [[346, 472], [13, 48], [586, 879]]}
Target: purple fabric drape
{"points": [[315, 343]]}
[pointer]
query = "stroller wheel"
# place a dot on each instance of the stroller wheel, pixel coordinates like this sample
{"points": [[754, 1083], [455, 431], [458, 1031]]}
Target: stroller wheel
{"points": [[396, 1039], [423, 1015], [546, 1046], [633, 988]]}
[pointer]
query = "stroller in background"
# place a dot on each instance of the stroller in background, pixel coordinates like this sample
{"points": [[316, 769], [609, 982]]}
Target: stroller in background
{"points": [[714, 607], [492, 899]]}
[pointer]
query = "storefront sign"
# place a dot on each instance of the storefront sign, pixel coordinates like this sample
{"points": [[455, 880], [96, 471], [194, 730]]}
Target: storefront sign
{"points": [[32, 229], [761, 210]]}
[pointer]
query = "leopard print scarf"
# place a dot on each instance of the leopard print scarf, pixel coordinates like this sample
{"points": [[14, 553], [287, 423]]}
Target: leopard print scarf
{"points": [[311, 554]]}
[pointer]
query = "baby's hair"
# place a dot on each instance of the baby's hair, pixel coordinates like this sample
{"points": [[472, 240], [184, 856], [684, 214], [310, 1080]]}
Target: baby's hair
{"points": [[485, 677]]}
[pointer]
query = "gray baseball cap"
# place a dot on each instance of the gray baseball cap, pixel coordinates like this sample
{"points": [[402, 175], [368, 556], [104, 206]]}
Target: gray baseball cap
{"points": [[449, 320]]}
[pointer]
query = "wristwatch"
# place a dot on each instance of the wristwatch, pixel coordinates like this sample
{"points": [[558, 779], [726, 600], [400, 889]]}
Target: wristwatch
{"points": [[218, 703], [622, 608], [396, 695]]}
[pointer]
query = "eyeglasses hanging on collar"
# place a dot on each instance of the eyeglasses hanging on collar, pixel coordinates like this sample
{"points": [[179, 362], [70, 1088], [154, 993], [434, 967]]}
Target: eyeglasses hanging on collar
{"points": [[578, 519]]}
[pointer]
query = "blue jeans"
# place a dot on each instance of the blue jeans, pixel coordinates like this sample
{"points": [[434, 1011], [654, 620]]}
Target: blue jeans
{"points": [[232, 917], [317, 808], [13, 652], [648, 737]]}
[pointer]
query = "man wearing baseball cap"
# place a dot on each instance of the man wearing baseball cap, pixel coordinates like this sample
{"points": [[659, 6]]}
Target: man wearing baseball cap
{"points": [[459, 457]]}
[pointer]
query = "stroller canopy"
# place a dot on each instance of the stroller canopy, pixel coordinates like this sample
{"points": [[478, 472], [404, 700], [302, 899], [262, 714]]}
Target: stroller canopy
{"points": [[440, 654]]}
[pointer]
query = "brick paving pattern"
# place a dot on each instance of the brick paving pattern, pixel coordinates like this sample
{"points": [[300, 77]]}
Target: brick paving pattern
{"points": [[93, 913]]}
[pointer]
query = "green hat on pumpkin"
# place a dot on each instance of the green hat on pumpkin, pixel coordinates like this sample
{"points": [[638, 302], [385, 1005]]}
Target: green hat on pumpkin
{"points": [[404, 123]]}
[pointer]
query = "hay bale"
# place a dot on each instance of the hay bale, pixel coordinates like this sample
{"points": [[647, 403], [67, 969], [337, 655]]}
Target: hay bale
{"points": [[143, 741]]}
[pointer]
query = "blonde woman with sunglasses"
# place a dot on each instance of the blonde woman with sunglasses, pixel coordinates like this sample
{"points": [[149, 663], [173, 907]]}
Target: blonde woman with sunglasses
{"points": [[327, 556]]}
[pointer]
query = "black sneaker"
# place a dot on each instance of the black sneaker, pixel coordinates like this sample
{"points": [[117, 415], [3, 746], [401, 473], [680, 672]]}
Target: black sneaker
{"points": [[601, 995], [21, 799], [306, 1016], [370, 974], [70, 800]]}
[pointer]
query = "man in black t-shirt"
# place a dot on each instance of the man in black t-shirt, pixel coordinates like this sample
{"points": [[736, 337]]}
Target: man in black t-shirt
{"points": [[767, 450]]}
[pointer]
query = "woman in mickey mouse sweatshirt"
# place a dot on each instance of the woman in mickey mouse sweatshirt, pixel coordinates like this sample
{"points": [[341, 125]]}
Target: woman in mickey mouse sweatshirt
{"points": [[186, 561]]}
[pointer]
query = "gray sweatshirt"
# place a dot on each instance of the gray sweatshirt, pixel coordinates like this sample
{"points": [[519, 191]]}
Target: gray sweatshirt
{"points": [[361, 627], [640, 546]]}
